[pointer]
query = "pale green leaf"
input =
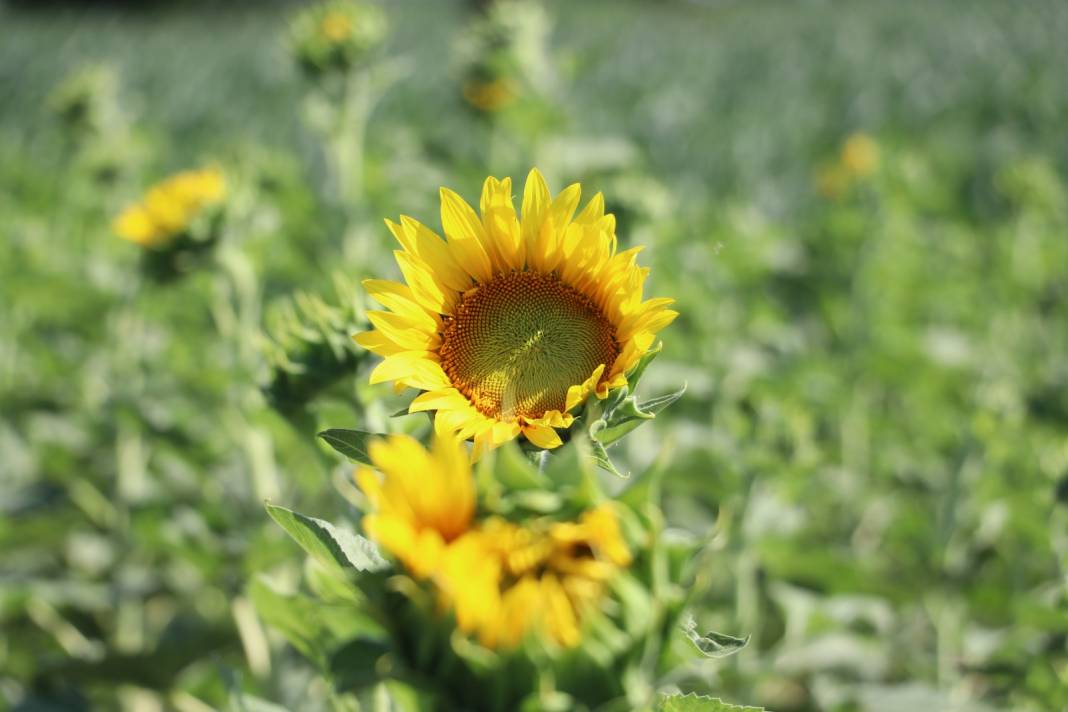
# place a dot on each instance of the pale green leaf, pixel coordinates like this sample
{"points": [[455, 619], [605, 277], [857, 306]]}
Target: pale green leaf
{"points": [[350, 443], [630, 414], [332, 547], [713, 645], [699, 703]]}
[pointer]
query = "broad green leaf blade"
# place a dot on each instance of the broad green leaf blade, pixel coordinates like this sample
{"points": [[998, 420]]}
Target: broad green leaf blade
{"points": [[332, 547], [354, 665], [350, 443], [713, 645], [699, 703]]}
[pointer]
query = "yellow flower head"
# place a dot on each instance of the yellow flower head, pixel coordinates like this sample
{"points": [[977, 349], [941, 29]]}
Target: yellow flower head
{"points": [[510, 323], [490, 96], [860, 155], [552, 574], [502, 580], [336, 26], [169, 207], [422, 502]]}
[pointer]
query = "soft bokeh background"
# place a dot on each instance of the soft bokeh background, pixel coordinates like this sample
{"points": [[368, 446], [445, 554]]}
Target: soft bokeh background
{"points": [[860, 208]]}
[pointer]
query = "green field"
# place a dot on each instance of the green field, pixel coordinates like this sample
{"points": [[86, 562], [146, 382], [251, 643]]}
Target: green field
{"points": [[874, 439]]}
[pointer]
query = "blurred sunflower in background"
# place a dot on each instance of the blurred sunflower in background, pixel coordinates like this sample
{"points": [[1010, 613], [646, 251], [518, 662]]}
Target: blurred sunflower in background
{"points": [[509, 325], [169, 208], [857, 160], [336, 36], [490, 94], [502, 580], [504, 56]]}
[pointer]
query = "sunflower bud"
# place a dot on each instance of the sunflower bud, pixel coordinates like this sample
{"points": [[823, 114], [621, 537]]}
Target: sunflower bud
{"points": [[333, 38], [305, 344], [504, 56]]}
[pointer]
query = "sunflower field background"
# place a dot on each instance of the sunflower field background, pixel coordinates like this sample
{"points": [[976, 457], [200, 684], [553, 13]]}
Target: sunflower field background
{"points": [[860, 209]]}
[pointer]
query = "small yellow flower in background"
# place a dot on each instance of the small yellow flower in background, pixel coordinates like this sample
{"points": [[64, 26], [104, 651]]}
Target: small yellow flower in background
{"points": [[511, 323], [502, 580], [857, 159], [860, 155], [490, 96], [336, 36], [336, 26], [169, 207]]}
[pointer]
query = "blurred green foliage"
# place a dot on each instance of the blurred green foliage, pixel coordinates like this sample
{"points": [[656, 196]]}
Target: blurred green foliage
{"points": [[874, 436]]}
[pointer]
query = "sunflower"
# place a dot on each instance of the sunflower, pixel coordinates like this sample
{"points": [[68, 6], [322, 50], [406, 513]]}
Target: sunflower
{"points": [[509, 324], [552, 575], [492, 95], [170, 207], [500, 579]]}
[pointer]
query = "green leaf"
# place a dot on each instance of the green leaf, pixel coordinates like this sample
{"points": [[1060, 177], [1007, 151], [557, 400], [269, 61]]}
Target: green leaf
{"points": [[515, 471], [655, 405], [600, 456], [630, 414], [699, 703], [350, 443], [713, 645], [355, 665], [645, 488], [567, 466], [482, 660], [244, 702], [539, 501], [335, 548], [295, 617]]}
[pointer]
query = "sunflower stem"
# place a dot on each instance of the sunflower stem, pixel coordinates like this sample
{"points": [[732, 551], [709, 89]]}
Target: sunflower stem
{"points": [[543, 460]]}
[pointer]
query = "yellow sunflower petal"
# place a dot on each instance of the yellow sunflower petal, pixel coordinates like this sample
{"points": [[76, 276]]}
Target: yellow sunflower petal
{"points": [[441, 399], [425, 287], [136, 225], [504, 241], [536, 203], [465, 235], [542, 436], [404, 332], [376, 342], [560, 619], [399, 299], [457, 421], [579, 393], [413, 368], [422, 242], [593, 212], [564, 206]]}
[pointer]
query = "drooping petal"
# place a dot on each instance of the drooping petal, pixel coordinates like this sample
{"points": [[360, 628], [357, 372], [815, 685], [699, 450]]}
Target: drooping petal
{"points": [[542, 436]]}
